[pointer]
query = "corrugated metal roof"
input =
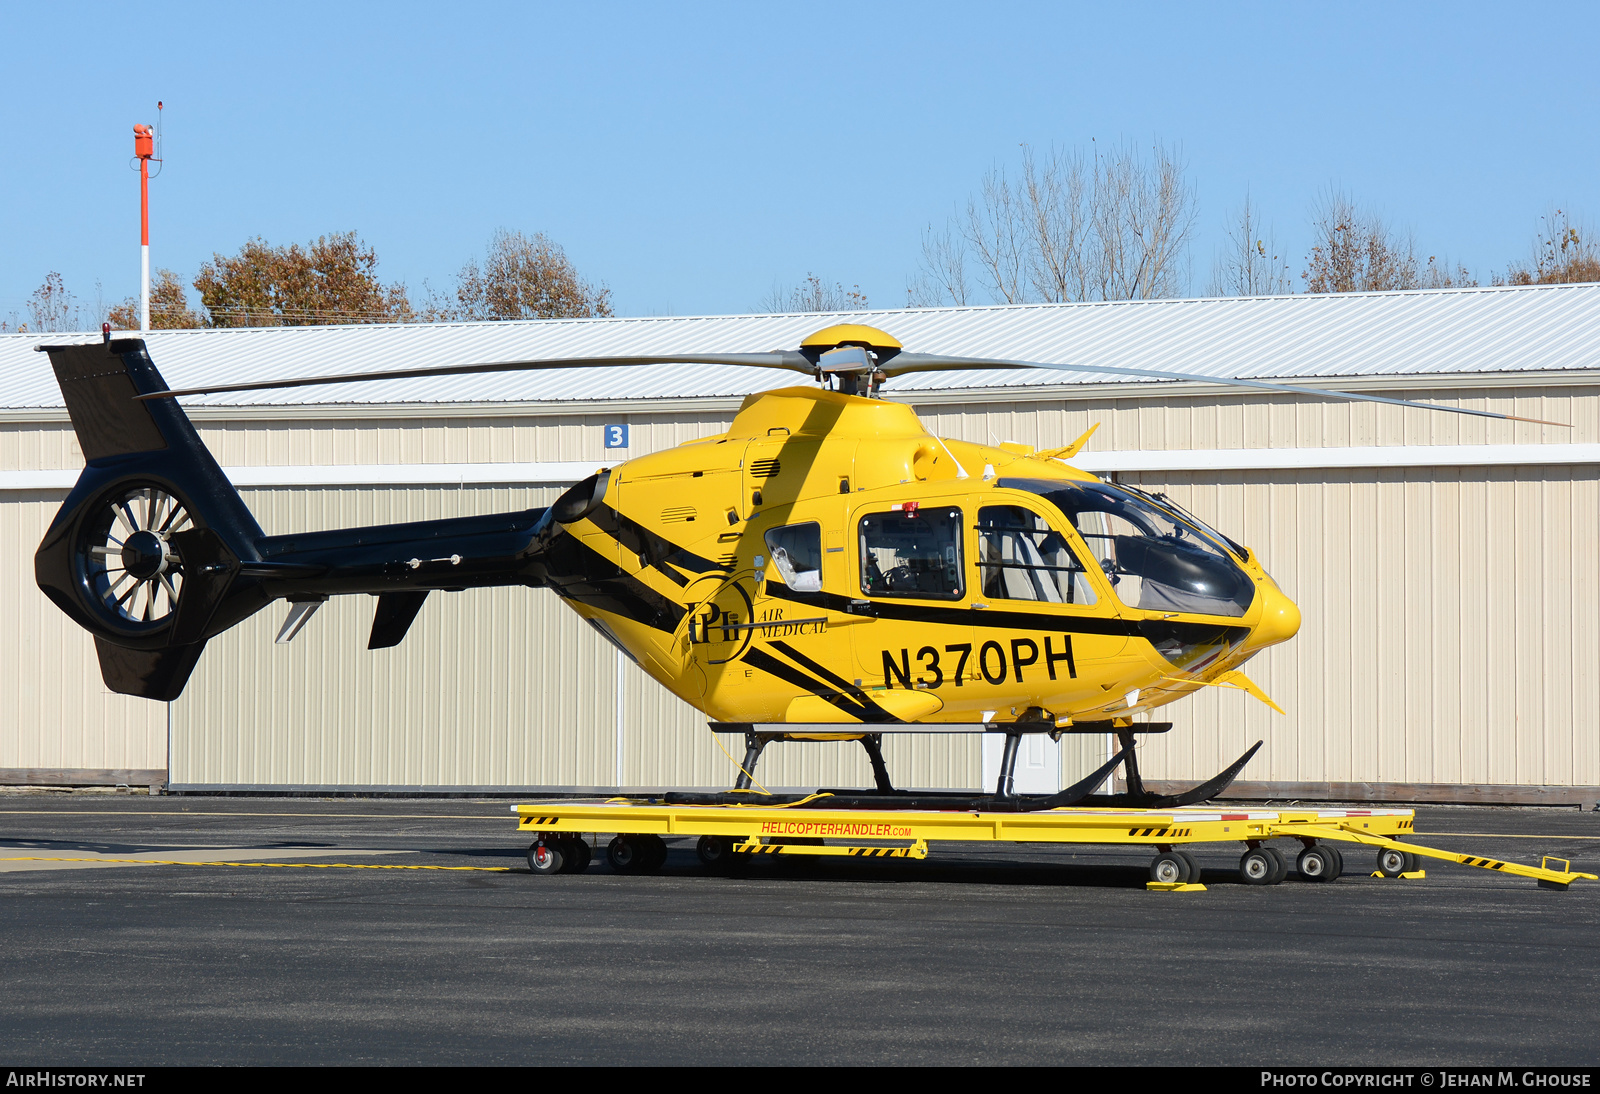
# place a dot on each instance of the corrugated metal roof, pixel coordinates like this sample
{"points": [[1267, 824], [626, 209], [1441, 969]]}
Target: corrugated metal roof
{"points": [[1506, 329]]}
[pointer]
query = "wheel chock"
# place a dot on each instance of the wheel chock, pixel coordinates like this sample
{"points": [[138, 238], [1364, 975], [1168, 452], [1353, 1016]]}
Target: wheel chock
{"points": [[1409, 875], [1174, 887]]}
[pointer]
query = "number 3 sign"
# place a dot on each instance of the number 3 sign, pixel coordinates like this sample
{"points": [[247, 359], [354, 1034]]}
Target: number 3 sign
{"points": [[616, 436]]}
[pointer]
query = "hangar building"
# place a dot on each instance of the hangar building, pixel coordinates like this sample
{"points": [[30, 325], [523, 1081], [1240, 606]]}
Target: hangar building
{"points": [[1447, 566]]}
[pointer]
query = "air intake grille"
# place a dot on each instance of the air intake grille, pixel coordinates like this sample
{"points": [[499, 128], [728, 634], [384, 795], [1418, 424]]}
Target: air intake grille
{"points": [[764, 469], [678, 514]]}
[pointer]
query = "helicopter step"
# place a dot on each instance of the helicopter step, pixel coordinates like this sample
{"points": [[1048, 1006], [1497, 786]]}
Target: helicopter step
{"points": [[730, 833], [883, 795]]}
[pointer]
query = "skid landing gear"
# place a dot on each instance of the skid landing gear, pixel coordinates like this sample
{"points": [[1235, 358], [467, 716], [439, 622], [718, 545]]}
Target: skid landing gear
{"points": [[1137, 797], [1004, 797]]}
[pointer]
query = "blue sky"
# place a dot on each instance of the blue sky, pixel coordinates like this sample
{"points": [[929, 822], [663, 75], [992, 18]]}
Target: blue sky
{"points": [[692, 156]]}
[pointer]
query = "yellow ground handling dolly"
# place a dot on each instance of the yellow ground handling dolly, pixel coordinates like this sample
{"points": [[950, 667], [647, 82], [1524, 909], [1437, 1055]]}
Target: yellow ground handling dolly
{"points": [[806, 826]]}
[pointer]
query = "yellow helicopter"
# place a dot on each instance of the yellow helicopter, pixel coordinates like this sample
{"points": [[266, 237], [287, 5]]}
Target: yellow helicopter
{"points": [[827, 569]]}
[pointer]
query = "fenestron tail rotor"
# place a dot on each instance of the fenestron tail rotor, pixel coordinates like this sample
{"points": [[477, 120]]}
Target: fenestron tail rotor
{"points": [[857, 357], [131, 572]]}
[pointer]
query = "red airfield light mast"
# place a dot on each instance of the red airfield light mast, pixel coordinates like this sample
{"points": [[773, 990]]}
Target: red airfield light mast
{"points": [[144, 148]]}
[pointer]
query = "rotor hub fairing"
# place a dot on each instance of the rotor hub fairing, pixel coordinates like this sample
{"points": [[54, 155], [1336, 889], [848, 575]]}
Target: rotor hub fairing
{"points": [[144, 555]]}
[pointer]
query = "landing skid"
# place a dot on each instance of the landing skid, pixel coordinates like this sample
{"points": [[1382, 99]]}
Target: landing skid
{"points": [[1003, 800], [1137, 797]]}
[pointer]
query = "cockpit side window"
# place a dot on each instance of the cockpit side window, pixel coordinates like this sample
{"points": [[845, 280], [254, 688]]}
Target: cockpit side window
{"points": [[912, 552], [1153, 560], [796, 553], [1020, 557]]}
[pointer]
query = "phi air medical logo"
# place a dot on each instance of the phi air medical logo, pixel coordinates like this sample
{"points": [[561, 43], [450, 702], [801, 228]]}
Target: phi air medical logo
{"points": [[721, 624], [724, 624]]}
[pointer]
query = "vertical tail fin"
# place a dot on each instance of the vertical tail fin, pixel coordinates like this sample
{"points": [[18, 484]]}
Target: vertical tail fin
{"points": [[149, 543]]}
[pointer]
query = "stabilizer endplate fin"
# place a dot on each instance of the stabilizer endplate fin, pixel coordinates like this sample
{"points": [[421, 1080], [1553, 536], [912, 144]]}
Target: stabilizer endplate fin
{"points": [[1066, 452], [393, 618]]}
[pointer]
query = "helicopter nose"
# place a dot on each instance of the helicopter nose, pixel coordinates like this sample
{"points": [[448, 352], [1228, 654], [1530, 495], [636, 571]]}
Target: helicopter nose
{"points": [[1280, 618]]}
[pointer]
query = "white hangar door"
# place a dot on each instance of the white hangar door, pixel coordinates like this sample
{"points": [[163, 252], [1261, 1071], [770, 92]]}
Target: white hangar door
{"points": [[1038, 763]]}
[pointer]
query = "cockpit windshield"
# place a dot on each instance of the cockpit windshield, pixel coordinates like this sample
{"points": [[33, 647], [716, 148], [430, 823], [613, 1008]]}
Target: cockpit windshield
{"points": [[1153, 560]]}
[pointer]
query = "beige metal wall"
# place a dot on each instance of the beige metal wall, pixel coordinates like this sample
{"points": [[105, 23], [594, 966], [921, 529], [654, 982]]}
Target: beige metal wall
{"points": [[54, 711], [1451, 620]]}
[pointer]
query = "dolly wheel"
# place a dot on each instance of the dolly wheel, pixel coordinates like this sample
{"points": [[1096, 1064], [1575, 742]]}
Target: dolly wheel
{"points": [[653, 852], [624, 854], [1169, 868], [1194, 867], [714, 851], [1318, 864], [1392, 862], [575, 855], [545, 858], [1281, 869], [1258, 866]]}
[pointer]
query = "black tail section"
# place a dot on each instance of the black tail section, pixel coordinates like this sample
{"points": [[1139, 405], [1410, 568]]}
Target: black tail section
{"points": [[154, 551], [146, 546]]}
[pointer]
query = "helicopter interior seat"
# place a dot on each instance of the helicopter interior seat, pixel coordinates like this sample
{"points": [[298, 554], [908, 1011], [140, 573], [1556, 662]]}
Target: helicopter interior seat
{"points": [[1025, 577], [1013, 567]]}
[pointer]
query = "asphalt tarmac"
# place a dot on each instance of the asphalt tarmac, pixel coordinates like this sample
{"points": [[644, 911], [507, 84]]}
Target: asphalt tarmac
{"points": [[982, 954]]}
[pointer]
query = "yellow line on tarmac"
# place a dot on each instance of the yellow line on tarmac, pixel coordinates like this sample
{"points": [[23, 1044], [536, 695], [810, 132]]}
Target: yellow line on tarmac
{"points": [[285, 865], [1503, 835], [208, 813]]}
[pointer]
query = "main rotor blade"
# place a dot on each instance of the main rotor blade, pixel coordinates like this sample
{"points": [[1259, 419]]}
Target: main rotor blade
{"points": [[902, 363], [777, 359]]}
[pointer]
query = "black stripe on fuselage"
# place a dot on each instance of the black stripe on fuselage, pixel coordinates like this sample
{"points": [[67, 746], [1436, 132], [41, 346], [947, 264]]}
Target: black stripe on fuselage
{"points": [[868, 712], [831, 677], [579, 573], [1151, 630], [653, 550]]}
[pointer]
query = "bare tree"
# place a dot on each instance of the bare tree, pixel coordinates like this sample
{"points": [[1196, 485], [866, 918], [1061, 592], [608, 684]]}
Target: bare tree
{"points": [[1250, 263], [942, 278], [814, 295], [1564, 253], [1439, 273], [1113, 226], [52, 308], [1356, 252], [523, 277]]}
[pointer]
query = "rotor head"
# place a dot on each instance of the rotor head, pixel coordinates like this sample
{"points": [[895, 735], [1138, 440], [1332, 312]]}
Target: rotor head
{"points": [[852, 352]]}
